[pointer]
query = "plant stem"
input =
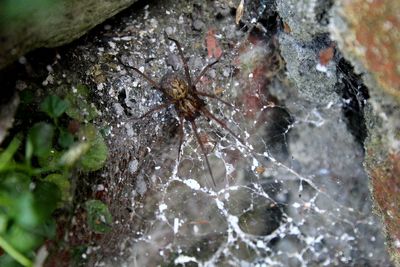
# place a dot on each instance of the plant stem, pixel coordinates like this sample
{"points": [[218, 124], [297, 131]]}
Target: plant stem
{"points": [[14, 253]]}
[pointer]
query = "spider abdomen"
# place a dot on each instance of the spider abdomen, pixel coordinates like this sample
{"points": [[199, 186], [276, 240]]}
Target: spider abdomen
{"points": [[189, 107], [174, 86]]}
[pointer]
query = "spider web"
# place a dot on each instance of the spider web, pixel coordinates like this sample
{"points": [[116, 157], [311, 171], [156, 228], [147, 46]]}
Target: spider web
{"points": [[295, 194]]}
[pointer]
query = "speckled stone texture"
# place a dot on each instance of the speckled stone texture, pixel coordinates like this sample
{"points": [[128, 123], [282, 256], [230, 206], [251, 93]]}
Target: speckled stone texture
{"points": [[368, 33]]}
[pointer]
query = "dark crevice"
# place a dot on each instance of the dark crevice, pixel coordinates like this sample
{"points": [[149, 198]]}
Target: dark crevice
{"points": [[354, 94], [322, 12]]}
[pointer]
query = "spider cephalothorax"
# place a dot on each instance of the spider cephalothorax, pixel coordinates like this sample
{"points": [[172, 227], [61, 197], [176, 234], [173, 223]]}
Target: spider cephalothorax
{"points": [[180, 91], [177, 90]]}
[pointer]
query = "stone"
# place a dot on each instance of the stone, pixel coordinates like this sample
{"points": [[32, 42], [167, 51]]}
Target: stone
{"points": [[49, 23]]}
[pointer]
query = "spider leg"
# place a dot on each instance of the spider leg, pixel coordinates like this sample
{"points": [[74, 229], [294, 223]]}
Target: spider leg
{"points": [[156, 108], [185, 64], [215, 97], [148, 79], [209, 115], [203, 150], [205, 69], [181, 133]]}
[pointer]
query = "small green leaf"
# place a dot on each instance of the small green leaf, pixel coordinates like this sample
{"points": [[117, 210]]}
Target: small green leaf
{"points": [[96, 156], [24, 211], [22, 240], [54, 106], [105, 131], [76, 256], [7, 261], [62, 183], [79, 107], [65, 139], [99, 217], [3, 223], [74, 153], [47, 195], [34, 208], [28, 150], [40, 137], [83, 90], [51, 160], [14, 183], [47, 229], [7, 155]]}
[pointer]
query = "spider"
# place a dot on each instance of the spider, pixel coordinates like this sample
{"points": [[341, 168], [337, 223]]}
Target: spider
{"points": [[179, 90]]}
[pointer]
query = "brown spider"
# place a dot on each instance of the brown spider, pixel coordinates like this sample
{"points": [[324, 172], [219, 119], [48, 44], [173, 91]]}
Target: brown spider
{"points": [[180, 90]]}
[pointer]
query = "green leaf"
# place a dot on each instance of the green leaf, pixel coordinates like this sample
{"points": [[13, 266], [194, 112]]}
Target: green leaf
{"points": [[7, 261], [96, 156], [65, 139], [76, 256], [79, 107], [98, 216], [74, 153], [54, 106], [47, 195], [28, 150], [51, 160], [3, 223], [47, 229], [62, 183], [105, 131], [22, 240], [14, 183], [40, 138], [24, 211], [8, 154], [34, 208]]}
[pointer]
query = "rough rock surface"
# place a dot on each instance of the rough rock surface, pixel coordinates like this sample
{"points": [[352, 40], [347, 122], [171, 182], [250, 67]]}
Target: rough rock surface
{"points": [[296, 194], [26, 26], [368, 33]]}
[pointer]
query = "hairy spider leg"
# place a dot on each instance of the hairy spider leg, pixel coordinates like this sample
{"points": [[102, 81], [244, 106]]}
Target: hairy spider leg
{"points": [[185, 64], [209, 115], [153, 83], [181, 133], [205, 69], [215, 97], [203, 150], [148, 79], [156, 108]]}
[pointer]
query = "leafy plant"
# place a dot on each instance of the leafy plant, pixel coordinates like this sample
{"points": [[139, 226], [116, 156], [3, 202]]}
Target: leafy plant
{"points": [[34, 180], [78, 106], [99, 217]]}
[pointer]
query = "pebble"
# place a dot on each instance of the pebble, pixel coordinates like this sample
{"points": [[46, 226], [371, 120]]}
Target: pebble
{"points": [[198, 25], [169, 30], [118, 109], [196, 63], [133, 166], [223, 11], [226, 72], [212, 73], [174, 61]]}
